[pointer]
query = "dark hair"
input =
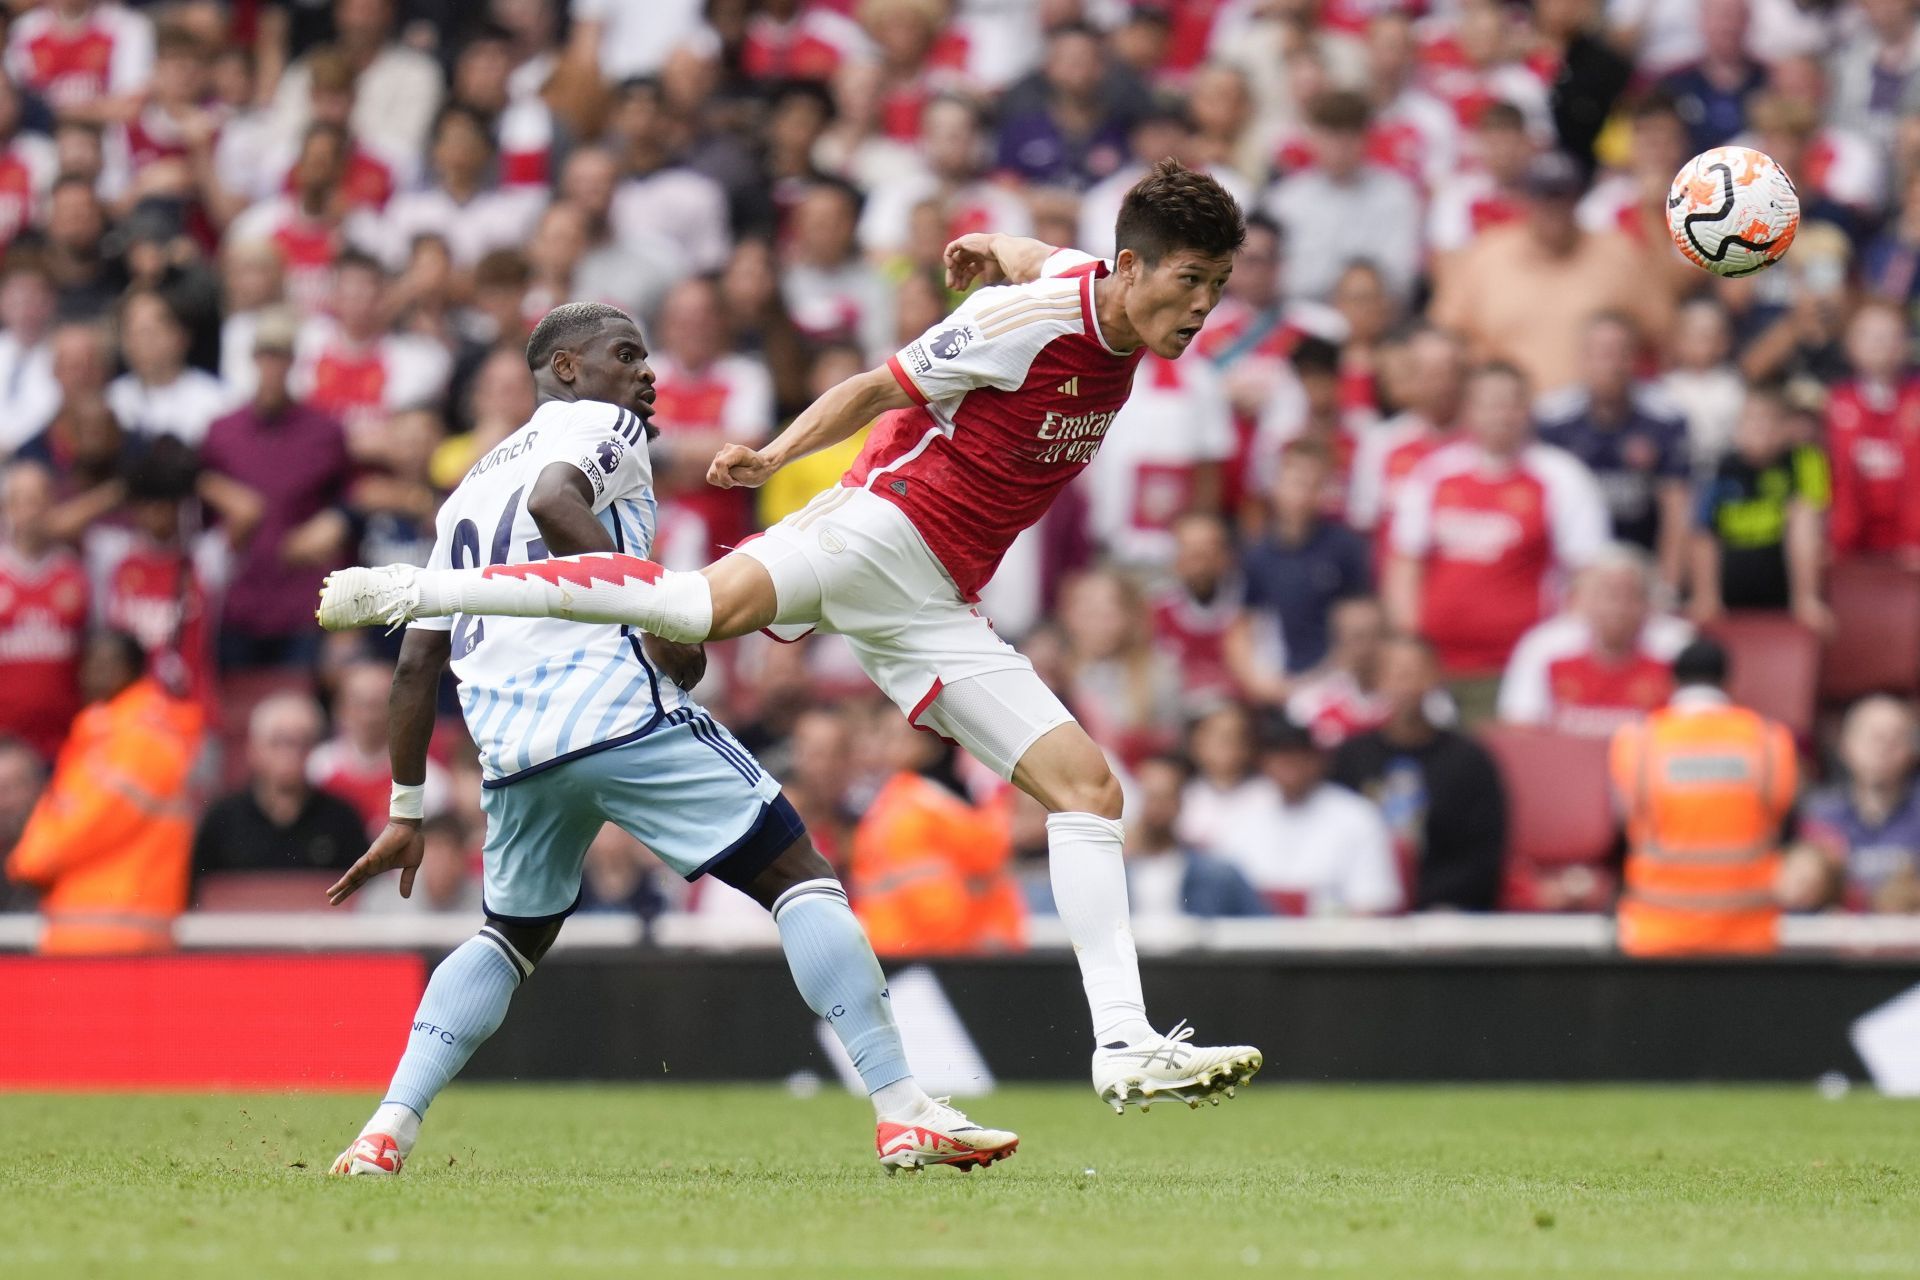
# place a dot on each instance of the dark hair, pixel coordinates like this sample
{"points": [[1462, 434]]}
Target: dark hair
{"points": [[502, 269], [1702, 662], [1340, 110], [841, 187], [1499, 369], [358, 260], [132, 652], [461, 111], [1656, 104], [1173, 208], [1315, 355], [567, 325], [1262, 222], [1278, 733], [164, 471]]}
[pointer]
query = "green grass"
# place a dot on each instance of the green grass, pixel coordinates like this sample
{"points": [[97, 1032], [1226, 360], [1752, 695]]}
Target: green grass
{"points": [[662, 1181]]}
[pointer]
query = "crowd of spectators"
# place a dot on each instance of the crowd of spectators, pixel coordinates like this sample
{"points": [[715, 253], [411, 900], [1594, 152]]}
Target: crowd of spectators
{"points": [[1465, 439]]}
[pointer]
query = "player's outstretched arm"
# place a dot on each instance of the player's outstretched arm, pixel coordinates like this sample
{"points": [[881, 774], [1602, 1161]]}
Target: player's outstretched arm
{"points": [[827, 421], [410, 706], [992, 257]]}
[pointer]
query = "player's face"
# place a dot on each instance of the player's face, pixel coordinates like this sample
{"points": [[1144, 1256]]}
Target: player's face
{"points": [[613, 367], [1168, 302]]}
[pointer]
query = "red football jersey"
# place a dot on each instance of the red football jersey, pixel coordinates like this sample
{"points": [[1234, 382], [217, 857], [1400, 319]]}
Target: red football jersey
{"points": [[144, 595], [107, 51], [1873, 438], [43, 619], [1489, 535], [1556, 679], [1013, 394]]}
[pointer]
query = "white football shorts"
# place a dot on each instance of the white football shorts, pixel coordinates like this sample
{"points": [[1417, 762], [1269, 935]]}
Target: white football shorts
{"points": [[853, 564]]}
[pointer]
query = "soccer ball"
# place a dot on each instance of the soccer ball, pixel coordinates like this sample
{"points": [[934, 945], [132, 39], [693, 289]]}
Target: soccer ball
{"points": [[1732, 211]]}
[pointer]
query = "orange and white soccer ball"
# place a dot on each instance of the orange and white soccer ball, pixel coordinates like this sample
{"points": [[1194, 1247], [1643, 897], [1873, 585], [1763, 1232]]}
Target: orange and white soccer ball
{"points": [[1732, 211]]}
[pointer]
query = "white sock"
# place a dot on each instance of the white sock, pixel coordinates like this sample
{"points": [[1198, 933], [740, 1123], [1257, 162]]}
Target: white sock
{"points": [[600, 587], [901, 1102], [1090, 893], [399, 1122]]}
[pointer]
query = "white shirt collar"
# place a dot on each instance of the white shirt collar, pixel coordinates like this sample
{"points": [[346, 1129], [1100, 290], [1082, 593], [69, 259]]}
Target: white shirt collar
{"points": [[1698, 697]]}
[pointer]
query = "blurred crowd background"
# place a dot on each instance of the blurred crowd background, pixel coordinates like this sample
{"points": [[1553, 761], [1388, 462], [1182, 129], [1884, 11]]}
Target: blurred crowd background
{"points": [[269, 266]]}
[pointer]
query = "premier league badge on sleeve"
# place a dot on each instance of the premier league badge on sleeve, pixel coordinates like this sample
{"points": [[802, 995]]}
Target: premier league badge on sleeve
{"points": [[950, 343], [609, 454]]}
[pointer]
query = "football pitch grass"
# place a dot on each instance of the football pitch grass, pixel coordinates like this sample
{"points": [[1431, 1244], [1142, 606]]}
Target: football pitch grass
{"points": [[667, 1181]]}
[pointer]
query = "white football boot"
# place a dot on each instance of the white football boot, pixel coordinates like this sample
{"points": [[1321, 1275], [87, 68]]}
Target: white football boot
{"points": [[1169, 1067], [372, 1154], [362, 597], [940, 1134]]}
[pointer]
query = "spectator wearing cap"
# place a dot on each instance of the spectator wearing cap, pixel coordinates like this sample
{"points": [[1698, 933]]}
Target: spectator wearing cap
{"points": [[1324, 851], [1759, 544], [295, 457], [1075, 134], [1634, 444], [396, 88], [1867, 823], [29, 395], [1605, 661], [1166, 877], [1438, 790], [1524, 292], [279, 821], [1345, 207], [1712, 93]]}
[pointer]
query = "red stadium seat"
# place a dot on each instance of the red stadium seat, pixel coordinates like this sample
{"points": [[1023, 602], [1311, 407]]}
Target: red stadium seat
{"points": [[1559, 812], [1876, 644], [1775, 667], [263, 891]]}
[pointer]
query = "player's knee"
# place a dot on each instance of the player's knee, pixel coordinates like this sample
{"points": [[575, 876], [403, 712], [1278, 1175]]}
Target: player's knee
{"points": [[1091, 790]]}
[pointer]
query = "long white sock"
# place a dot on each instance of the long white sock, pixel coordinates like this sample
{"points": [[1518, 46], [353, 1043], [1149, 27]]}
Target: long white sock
{"points": [[600, 587], [1090, 893]]}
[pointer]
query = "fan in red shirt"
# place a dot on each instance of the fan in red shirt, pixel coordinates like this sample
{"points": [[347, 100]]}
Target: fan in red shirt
{"points": [[1484, 528], [981, 423], [1873, 440], [1387, 455], [90, 60], [1605, 662], [43, 615]]}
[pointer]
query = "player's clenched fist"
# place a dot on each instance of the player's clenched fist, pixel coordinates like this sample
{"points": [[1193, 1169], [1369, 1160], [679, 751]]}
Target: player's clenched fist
{"points": [[736, 464], [399, 846]]}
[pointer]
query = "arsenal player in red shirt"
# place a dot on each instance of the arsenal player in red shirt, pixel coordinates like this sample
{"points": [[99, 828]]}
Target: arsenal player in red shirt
{"points": [[982, 422]]}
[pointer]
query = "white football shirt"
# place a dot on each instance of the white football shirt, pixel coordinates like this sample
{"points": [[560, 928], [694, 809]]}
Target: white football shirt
{"points": [[537, 691]]}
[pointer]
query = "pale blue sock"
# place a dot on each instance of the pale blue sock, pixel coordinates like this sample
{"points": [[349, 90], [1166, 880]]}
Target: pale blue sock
{"points": [[465, 1001], [834, 967]]}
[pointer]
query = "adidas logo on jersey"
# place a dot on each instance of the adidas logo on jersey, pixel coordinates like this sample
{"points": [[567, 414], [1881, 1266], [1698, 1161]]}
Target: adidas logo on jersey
{"points": [[1071, 387]]}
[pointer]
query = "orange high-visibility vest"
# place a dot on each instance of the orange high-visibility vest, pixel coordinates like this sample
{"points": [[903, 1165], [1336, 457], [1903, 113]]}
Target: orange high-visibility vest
{"points": [[109, 843], [1705, 788], [929, 873]]}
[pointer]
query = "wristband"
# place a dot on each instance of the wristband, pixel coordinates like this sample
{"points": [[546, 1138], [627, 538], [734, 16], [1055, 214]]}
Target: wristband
{"points": [[408, 801]]}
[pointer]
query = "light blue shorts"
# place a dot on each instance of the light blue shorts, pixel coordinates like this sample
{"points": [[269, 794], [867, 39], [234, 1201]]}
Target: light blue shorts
{"points": [[688, 791]]}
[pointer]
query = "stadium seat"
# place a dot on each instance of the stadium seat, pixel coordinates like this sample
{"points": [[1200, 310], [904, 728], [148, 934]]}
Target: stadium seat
{"points": [[263, 890], [1876, 642], [1775, 667], [1559, 813]]}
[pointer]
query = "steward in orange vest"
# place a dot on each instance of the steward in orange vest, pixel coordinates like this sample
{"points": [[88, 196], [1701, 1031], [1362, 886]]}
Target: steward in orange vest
{"points": [[1705, 787], [109, 843], [929, 868]]}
